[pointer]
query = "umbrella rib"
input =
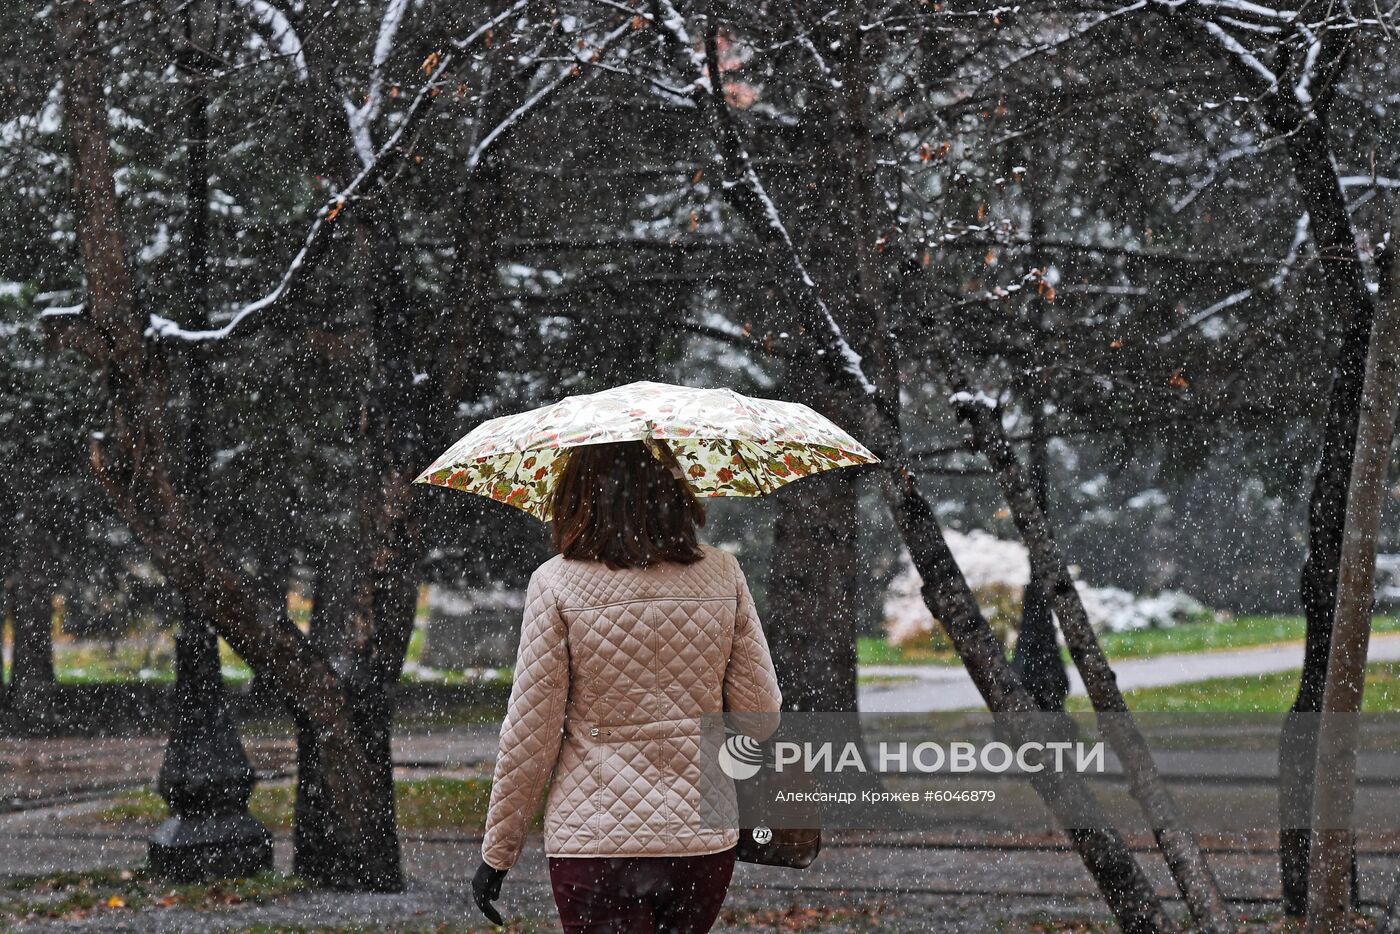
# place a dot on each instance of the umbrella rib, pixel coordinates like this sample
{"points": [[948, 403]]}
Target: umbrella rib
{"points": [[739, 449]]}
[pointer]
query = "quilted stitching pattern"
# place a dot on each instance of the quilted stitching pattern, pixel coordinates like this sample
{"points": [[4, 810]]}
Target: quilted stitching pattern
{"points": [[640, 655]]}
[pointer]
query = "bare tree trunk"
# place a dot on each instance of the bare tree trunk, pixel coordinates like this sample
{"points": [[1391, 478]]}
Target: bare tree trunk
{"points": [[1348, 302], [31, 608], [136, 468], [1331, 845], [811, 581], [1036, 657], [1125, 888], [1390, 924], [875, 404], [1178, 844]]}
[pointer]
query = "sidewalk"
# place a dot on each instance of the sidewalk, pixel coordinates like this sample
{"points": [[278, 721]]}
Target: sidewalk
{"points": [[948, 687], [887, 886], [966, 883]]}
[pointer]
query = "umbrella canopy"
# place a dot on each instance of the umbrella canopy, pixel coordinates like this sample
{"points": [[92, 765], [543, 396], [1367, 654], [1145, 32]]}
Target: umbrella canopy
{"points": [[727, 444]]}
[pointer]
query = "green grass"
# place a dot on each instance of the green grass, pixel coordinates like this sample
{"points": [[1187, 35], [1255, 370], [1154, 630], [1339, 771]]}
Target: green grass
{"points": [[423, 804], [73, 896], [1270, 693], [1236, 633], [152, 662], [874, 650]]}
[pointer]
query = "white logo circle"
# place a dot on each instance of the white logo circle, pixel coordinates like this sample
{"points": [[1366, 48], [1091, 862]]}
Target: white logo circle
{"points": [[740, 757], [761, 835]]}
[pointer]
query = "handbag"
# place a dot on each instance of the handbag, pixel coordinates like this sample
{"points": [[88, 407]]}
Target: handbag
{"points": [[783, 846], [793, 847]]}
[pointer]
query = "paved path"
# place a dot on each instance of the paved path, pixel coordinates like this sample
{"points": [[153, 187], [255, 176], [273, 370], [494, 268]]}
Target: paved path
{"points": [[892, 884], [937, 687]]}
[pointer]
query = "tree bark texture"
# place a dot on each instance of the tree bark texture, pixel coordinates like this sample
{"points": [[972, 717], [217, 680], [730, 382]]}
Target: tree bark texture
{"points": [[139, 471], [1182, 851], [1331, 845]]}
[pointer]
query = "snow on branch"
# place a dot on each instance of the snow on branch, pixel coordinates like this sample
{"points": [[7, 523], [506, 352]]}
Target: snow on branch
{"points": [[279, 30], [1368, 181], [1253, 11], [161, 327], [479, 32], [674, 24], [1205, 314], [1245, 57], [851, 359], [739, 164], [581, 62], [362, 118], [1077, 32], [63, 311]]}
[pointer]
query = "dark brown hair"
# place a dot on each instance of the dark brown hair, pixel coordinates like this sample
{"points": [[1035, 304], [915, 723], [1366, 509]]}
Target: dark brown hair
{"points": [[619, 504]]}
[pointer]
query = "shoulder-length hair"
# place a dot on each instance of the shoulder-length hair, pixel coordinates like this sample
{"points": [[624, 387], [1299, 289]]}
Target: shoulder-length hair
{"points": [[620, 504]]}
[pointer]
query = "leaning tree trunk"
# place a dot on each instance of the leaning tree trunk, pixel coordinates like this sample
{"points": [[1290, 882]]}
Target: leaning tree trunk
{"points": [[1331, 861], [1121, 881], [1193, 874], [876, 405]]}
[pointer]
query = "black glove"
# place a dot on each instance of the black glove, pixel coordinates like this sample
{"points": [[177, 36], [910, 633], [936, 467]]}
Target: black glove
{"points": [[486, 888]]}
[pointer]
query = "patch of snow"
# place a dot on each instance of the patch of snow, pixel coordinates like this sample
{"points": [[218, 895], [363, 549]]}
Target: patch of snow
{"points": [[994, 566]]}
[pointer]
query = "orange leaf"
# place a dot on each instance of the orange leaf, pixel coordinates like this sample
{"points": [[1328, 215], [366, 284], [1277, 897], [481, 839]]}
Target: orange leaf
{"points": [[1178, 381], [430, 63], [115, 902], [335, 211]]}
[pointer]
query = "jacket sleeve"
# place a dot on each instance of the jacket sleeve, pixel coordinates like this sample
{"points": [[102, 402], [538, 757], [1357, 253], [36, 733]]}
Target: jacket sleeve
{"points": [[533, 728], [750, 683]]}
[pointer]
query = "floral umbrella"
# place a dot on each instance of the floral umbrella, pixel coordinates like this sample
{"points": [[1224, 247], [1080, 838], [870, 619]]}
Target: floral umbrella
{"points": [[727, 444]]}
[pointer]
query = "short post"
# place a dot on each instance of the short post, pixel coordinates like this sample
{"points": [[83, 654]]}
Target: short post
{"points": [[206, 778]]}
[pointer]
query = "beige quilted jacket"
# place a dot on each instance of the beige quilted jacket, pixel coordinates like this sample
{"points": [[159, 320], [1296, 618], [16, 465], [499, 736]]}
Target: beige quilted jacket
{"points": [[613, 669]]}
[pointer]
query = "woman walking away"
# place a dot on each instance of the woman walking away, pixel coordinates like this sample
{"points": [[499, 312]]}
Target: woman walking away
{"points": [[632, 633]]}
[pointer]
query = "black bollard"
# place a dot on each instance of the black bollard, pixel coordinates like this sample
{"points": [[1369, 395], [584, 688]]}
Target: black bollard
{"points": [[206, 777]]}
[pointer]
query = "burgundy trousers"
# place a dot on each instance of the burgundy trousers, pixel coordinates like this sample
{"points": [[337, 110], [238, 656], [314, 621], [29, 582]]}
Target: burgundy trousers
{"points": [[640, 894]]}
